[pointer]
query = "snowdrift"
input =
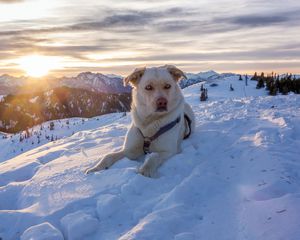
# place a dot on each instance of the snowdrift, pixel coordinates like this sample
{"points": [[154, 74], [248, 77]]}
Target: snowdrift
{"points": [[236, 178]]}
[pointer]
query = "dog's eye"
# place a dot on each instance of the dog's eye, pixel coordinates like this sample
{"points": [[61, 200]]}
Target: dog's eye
{"points": [[149, 88], [167, 86]]}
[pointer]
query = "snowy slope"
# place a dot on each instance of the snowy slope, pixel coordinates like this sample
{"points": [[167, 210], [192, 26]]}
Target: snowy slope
{"points": [[62, 128], [237, 178]]}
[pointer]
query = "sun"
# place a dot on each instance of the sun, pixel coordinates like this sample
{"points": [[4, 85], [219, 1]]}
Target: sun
{"points": [[38, 65]]}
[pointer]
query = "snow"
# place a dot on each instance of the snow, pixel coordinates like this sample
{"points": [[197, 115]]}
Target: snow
{"points": [[236, 178], [95, 82], [33, 100], [79, 225], [43, 231], [49, 93], [62, 129], [2, 97], [108, 205], [201, 75]]}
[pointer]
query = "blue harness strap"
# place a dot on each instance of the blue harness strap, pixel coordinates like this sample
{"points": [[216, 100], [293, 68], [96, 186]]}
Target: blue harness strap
{"points": [[189, 123], [162, 130]]}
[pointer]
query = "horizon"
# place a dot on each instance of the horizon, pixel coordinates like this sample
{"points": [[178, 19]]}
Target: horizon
{"points": [[49, 76], [64, 39]]}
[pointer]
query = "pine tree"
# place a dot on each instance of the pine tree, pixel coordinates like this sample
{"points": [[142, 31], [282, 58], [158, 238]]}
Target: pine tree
{"points": [[240, 78], [273, 89], [260, 83], [285, 90], [269, 82], [204, 96], [254, 77]]}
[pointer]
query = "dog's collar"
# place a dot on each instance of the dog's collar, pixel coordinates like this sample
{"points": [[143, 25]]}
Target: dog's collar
{"points": [[162, 130]]}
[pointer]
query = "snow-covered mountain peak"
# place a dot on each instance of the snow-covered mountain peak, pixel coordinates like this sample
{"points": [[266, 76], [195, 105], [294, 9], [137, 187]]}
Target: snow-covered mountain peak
{"points": [[96, 82], [207, 74]]}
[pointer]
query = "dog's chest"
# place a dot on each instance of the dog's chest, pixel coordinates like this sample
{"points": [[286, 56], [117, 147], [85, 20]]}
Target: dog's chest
{"points": [[167, 141]]}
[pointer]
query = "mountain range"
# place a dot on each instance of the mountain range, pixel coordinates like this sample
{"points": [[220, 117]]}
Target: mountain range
{"points": [[95, 82]]}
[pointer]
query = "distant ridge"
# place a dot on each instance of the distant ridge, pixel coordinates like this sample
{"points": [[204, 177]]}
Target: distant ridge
{"points": [[95, 82]]}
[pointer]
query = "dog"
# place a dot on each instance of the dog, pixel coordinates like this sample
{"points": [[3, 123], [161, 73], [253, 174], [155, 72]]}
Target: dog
{"points": [[161, 119]]}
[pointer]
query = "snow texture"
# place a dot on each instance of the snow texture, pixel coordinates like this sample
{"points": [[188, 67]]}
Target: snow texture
{"points": [[2, 97], [237, 176], [78, 225], [43, 231], [33, 100]]}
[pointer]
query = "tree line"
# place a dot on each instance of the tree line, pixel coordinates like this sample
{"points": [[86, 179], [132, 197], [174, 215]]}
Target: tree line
{"points": [[22, 111], [274, 83]]}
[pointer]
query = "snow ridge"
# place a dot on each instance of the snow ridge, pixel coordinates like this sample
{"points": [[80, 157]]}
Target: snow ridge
{"points": [[236, 178]]}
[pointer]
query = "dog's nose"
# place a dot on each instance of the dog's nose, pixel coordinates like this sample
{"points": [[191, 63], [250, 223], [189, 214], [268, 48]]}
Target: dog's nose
{"points": [[161, 102]]}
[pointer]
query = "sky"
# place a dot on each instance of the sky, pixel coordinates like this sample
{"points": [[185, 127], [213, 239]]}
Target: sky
{"points": [[69, 37]]}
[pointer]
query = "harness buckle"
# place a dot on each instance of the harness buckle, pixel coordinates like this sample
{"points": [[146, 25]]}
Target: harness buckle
{"points": [[147, 143], [162, 130]]}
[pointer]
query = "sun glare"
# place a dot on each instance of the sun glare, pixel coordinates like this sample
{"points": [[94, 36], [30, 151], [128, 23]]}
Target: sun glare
{"points": [[38, 66]]}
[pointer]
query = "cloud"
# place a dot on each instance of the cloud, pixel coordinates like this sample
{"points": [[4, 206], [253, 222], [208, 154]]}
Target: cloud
{"points": [[14, 47], [120, 20], [194, 27], [10, 1], [267, 54], [254, 21], [179, 34], [263, 18]]}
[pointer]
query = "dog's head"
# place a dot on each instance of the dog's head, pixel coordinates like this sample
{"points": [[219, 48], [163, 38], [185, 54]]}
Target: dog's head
{"points": [[156, 89]]}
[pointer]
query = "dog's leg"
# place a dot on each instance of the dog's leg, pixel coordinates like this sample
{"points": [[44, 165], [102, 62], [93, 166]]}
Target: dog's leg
{"points": [[107, 161], [133, 148], [152, 162]]}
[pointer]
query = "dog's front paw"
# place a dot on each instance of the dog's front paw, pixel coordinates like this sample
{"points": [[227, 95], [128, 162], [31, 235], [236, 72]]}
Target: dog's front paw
{"points": [[103, 164], [94, 169], [89, 170], [147, 170]]}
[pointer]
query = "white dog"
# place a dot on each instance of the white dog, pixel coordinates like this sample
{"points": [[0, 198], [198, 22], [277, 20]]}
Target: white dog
{"points": [[161, 119]]}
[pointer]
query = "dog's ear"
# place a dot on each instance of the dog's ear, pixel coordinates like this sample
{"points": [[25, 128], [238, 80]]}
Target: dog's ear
{"points": [[175, 72], [134, 77]]}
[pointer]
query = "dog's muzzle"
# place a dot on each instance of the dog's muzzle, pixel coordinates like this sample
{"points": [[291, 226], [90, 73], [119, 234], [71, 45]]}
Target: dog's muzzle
{"points": [[161, 104]]}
